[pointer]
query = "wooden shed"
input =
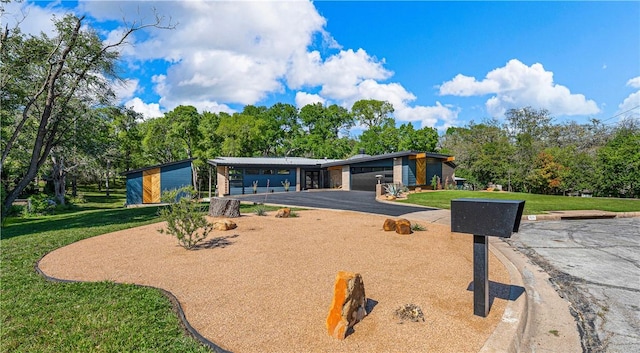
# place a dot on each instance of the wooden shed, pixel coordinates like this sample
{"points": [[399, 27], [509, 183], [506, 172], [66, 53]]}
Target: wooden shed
{"points": [[146, 185]]}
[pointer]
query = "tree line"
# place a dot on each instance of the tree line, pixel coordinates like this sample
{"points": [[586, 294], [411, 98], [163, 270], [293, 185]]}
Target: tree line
{"points": [[527, 152], [59, 123]]}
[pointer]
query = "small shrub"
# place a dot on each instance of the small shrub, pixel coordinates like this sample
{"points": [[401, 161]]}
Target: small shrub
{"points": [[260, 210], [293, 214], [434, 182], [393, 189], [39, 205], [286, 184], [184, 218], [418, 227]]}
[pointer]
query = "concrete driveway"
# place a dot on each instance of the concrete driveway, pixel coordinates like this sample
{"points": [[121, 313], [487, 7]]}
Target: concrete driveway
{"points": [[361, 201], [595, 265]]}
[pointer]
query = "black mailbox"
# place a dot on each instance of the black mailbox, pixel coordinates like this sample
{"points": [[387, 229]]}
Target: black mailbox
{"points": [[499, 218], [482, 218]]}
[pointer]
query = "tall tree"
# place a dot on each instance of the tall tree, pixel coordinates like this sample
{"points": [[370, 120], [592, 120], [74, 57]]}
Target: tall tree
{"points": [[43, 77], [371, 112]]}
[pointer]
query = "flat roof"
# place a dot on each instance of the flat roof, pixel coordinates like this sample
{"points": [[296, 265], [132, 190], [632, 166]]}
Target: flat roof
{"points": [[269, 161], [156, 166], [366, 158]]}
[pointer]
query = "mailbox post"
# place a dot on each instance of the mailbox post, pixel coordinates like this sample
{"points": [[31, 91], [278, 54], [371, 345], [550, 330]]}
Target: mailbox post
{"points": [[483, 218]]}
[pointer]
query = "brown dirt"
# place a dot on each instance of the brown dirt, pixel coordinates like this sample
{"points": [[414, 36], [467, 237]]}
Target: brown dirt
{"points": [[267, 285]]}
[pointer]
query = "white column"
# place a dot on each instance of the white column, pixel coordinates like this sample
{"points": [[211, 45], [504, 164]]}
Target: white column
{"points": [[223, 180], [346, 177], [397, 170], [298, 187]]}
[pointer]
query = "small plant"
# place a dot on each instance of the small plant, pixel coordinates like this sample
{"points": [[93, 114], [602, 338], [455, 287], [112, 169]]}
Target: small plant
{"points": [[418, 227], [393, 189], [260, 210], [255, 186], [293, 214], [184, 218], [39, 204], [434, 182], [286, 184]]}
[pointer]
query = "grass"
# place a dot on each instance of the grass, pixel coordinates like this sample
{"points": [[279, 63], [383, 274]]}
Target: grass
{"points": [[42, 316], [535, 204]]}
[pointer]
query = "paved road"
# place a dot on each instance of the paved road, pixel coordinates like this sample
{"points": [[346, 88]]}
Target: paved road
{"points": [[595, 264], [362, 201]]}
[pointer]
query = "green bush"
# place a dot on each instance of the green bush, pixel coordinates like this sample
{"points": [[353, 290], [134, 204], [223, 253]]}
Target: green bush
{"points": [[260, 210], [184, 218], [39, 205]]}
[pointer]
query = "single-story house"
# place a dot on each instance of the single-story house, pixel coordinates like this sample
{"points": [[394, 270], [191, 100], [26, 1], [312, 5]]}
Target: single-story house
{"points": [[243, 175], [146, 185]]}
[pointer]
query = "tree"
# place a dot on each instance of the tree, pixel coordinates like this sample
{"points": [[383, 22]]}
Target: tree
{"points": [[619, 162], [410, 139], [371, 112], [323, 126], [528, 130], [44, 78], [547, 175]]}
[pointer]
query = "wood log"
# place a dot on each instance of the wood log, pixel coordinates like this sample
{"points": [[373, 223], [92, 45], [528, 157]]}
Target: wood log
{"points": [[229, 208]]}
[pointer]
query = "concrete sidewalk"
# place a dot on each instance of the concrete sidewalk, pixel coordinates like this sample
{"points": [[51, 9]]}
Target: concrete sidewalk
{"points": [[541, 321]]}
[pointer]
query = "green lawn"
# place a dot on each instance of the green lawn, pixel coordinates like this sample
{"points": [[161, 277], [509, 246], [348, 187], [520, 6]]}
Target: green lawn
{"points": [[41, 316], [535, 204]]}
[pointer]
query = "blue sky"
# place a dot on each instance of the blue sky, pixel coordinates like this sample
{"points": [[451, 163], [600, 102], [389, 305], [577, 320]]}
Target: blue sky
{"points": [[440, 64]]}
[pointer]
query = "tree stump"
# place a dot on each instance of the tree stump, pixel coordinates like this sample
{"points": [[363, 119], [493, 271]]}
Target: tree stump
{"points": [[229, 208]]}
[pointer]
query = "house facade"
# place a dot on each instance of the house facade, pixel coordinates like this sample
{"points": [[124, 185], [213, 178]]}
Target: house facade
{"points": [[244, 175]]}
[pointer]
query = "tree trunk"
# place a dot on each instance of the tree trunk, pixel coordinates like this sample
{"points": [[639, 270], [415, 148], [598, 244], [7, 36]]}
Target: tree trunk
{"points": [[59, 178], [107, 178], [224, 207]]}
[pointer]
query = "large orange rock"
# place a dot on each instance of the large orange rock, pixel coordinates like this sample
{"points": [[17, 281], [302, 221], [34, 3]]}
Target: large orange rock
{"points": [[389, 224], [403, 226], [283, 213], [224, 224], [348, 306]]}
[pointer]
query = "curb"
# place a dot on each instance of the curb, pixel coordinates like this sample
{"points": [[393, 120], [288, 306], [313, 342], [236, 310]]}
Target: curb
{"points": [[540, 320], [508, 335]]}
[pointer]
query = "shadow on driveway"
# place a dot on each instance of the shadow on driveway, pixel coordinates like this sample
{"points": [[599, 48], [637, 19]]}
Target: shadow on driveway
{"points": [[361, 201]]}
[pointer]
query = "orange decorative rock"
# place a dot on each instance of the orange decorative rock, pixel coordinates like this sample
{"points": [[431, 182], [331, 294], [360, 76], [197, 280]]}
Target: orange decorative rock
{"points": [[389, 224], [403, 226], [224, 224], [348, 306], [283, 213]]}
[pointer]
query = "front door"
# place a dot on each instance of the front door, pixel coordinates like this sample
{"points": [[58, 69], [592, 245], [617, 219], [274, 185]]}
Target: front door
{"points": [[312, 180]]}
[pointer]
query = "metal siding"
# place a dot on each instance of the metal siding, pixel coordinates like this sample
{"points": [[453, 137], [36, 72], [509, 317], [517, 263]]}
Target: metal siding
{"points": [[411, 175], [176, 176], [134, 188], [434, 167]]}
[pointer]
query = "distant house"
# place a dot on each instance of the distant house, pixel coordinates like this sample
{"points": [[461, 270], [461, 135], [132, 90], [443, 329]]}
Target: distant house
{"points": [[146, 185], [239, 175]]}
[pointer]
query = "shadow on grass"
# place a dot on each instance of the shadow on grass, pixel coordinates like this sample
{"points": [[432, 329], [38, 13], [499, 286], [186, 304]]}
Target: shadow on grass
{"points": [[93, 218]]}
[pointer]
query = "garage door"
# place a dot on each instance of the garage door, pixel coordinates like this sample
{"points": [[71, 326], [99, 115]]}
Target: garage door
{"points": [[364, 178]]}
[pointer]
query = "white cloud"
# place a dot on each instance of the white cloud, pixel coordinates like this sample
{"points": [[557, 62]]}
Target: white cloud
{"points": [[303, 98], [126, 89], [32, 19], [634, 82], [148, 111], [517, 85], [439, 116], [630, 105], [235, 52]]}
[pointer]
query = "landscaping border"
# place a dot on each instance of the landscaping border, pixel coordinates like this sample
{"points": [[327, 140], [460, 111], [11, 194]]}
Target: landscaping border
{"points": [[175, 304]]}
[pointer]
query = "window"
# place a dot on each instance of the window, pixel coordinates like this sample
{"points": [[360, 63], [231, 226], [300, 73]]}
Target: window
{"points": [[268, 171], [284, 172], [252, 171]]}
